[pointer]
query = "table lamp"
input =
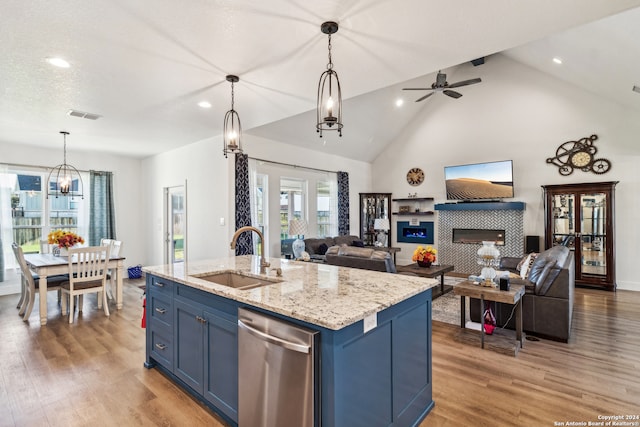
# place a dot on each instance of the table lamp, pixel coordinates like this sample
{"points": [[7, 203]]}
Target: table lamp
{"points": [[382, 225], [297, 227]]}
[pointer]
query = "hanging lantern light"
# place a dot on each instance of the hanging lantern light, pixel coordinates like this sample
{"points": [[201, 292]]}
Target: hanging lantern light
{"points": [[232, 128], [329, 108], [65, 180]]}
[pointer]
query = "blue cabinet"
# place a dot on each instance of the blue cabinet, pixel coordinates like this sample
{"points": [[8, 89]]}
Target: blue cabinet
{"points": [[193, 336]]}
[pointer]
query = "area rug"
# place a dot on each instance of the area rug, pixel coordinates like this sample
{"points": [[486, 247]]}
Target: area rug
{"points": [[446, 308]]}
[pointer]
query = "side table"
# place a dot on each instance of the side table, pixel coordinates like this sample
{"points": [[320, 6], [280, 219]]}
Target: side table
{"points": [[512, 296], [430, 273]]}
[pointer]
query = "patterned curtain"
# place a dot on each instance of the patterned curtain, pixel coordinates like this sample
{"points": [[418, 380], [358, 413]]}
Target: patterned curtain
{"points": [[343, 204], [102, 221], [244, 244]]}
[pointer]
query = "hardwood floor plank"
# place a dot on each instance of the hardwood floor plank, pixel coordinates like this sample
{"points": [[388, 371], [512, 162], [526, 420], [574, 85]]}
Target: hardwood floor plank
{"points": [[91, 372]]}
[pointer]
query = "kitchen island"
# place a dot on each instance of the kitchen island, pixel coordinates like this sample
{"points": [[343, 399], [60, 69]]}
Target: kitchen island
{"points": [[375, 335]]}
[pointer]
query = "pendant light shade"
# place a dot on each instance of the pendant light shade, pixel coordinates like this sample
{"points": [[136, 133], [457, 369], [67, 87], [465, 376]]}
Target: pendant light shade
{"points": [[232, 128], [329, 108], [65, 180]]}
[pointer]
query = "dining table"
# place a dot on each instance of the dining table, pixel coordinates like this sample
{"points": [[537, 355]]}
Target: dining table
{"points": [[46, 265]]}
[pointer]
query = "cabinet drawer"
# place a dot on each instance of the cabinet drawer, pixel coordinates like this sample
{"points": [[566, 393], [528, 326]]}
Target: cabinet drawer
{"points": [[161, 347], [160, 285], [160, 310]]}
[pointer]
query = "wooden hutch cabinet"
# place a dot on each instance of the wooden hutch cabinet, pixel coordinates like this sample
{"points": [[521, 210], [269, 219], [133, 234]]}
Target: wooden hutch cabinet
{"points": [[374, 206], [582, 216]]}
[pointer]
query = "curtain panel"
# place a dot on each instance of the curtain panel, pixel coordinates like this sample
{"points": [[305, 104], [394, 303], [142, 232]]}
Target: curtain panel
{"points": [[343, 204], [102, 222], [244, 244]]}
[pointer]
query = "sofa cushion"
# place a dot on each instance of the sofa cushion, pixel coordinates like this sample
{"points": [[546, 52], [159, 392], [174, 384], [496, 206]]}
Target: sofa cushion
{"points": [[355, 251], [322, 249], [525, 265], [358, 243], [345, 240], [311, 245]]}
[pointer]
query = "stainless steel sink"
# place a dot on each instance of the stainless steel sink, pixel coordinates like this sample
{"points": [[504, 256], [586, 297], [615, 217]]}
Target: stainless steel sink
{"points": [[237, 281]]}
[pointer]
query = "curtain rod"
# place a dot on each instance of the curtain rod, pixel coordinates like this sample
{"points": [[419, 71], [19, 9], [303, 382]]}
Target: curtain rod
{"points": [[46, 168], [293, 166]]}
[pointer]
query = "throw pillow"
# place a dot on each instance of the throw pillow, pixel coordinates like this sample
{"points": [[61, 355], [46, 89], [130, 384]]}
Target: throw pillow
{"points": [[358, 243], [322, 249], [525, 265]]}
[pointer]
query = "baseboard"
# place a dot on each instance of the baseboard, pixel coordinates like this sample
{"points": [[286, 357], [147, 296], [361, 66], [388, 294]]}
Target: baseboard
{"points": [[628, 286]]}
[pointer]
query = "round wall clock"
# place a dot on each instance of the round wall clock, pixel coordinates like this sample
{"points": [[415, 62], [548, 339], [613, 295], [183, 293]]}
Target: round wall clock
{"points": [[415, 176]]}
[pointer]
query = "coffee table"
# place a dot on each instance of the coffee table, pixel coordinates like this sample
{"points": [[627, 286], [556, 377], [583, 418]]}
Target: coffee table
{"points": [[430, 273], [513, 296]]}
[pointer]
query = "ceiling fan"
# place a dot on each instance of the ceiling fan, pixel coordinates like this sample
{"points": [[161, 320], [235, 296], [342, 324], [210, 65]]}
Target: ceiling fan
{"points": [[441, 85]]}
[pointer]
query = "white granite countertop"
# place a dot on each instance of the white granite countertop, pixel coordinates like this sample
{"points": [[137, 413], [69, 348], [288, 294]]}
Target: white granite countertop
{"points": [[321, 294]]}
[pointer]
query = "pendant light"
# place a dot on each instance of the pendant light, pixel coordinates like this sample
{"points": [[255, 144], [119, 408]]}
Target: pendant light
{"points": [[329, 108], [232, 128], [65, 180]]}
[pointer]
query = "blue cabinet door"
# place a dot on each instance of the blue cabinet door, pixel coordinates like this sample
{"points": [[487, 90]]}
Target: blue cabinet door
{"points": [[221, 368], [189, 346]]}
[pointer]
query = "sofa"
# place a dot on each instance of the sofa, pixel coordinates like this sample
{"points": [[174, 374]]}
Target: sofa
{"points": [[364, 258], [317, 247], [547, 305]]}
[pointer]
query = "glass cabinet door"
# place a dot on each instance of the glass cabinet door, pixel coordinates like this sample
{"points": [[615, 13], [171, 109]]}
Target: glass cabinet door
{"points": [[564, 224], [593, 236]]}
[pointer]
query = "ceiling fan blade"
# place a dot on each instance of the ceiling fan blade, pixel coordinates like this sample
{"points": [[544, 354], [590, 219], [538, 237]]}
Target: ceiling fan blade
{"points": [[452, 93], [416, 88], [425, 97], [465, 83]]}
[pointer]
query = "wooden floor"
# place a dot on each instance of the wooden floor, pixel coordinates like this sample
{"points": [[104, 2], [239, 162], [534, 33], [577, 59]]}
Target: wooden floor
{"points": [[91, 372]]}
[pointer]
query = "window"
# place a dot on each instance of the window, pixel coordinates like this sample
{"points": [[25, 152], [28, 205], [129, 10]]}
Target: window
{"points": [[289, 192], [33, 215]]}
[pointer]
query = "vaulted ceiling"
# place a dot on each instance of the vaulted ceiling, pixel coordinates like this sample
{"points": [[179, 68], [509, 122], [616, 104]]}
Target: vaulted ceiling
{"points": [[143, 66]]}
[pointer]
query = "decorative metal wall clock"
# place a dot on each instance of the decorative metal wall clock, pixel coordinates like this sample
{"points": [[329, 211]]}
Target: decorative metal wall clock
{"points": [[415, 176], [579, 155]]}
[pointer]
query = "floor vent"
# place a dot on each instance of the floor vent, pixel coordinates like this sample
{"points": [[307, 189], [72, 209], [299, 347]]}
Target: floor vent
{"points": [[83, 115]]}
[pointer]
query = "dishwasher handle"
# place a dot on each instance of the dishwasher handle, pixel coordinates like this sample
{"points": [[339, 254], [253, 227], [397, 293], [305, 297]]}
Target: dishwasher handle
{"points": [[300, 348]]}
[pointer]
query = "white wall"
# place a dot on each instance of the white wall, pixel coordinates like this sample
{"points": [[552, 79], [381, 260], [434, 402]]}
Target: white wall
{"points": [[521, 114], [210, 179], [126, 180]]}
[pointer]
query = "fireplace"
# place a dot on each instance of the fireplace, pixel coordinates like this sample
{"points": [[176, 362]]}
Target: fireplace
{"points": [[420, 233], [506, 217], [478, 235]]}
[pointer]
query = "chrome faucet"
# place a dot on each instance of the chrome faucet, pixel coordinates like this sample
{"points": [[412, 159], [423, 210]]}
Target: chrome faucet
{"points": [[263, 262]]}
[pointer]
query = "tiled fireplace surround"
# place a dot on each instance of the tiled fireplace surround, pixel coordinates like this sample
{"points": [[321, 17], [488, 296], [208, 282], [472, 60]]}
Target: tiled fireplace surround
{"points": [[463, 255]]}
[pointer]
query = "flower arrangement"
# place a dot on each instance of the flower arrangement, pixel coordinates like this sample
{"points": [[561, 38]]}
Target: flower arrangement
{"points": [[424, 255], [64, 239]]}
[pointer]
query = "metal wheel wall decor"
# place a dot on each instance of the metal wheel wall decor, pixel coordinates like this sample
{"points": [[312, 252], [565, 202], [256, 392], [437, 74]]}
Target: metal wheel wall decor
{"points": [[579, 155]]}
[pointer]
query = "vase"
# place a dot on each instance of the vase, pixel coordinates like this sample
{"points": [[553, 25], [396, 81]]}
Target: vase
{"points": [[425, 264]]}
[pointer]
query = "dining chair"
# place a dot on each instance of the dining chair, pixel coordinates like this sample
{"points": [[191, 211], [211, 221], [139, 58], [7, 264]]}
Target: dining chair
{"points": [[87, 274], [30, 283], [115, 250]]}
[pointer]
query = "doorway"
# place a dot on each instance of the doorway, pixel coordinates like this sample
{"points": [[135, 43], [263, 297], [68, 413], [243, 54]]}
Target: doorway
{"points": [[175, 243]]}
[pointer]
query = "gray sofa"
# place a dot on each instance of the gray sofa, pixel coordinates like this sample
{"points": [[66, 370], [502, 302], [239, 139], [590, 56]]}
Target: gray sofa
{"points": [[313, 245], [547, 306], [364, 258]]}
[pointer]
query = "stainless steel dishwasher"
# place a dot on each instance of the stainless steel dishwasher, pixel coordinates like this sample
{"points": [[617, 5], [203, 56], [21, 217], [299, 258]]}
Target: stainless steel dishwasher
{"points": [[278, 371]]}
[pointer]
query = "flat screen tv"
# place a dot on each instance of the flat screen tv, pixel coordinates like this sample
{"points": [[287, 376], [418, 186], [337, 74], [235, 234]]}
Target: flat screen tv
{"points": [[479, 181]]}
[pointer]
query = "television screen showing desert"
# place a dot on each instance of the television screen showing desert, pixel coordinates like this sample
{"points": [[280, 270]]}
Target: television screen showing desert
{"points": [[469, 188]]}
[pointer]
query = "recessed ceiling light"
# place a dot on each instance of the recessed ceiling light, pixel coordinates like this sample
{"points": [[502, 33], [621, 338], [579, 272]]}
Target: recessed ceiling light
{"points": [[557, 60], [399, 102], [204, 104], [58, 62]]}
